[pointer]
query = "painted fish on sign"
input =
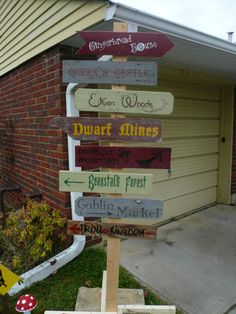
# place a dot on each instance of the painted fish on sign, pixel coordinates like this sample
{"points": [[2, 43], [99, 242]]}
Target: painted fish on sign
{"points": [[92, 157], [125, 44], [96, 229], [104, 100], [118, 207], [109, 72], [110, 129], [105, 182]]}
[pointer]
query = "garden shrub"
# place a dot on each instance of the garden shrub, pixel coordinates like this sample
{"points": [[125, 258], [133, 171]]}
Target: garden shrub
{"points": [[30, 235]]}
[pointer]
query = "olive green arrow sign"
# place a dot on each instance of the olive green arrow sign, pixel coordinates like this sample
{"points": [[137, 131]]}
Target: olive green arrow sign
{"points": [[105, 182]]}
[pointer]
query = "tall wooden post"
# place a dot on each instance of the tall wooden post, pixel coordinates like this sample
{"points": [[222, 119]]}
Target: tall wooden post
{"points": [[113, 244]]}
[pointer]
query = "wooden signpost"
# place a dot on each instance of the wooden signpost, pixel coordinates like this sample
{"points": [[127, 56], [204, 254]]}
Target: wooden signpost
{"points": [[125, 44], [105, 100], [109, 129], [118, 128], [109, 72], [111, 276], [118, 207], [119, 230], [88, 157], [105, 182]]}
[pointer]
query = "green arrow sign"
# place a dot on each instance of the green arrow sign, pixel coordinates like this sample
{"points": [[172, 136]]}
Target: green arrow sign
{"points": [[105, 182]]}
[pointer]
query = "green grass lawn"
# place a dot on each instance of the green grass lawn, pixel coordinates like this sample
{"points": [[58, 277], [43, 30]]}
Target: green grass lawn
{"points": [[59, 291]]}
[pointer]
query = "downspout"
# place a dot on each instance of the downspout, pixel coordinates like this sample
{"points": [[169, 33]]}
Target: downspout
{"points": [[48, 267]]}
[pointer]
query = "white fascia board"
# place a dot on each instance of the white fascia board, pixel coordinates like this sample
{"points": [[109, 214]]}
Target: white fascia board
{"points": [[151, 22]]}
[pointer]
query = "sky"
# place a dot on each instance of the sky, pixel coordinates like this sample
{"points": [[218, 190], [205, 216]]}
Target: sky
{"points": [[214, 17]]}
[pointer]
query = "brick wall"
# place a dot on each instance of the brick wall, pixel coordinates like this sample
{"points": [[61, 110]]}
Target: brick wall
{"points": [[32, 153]]}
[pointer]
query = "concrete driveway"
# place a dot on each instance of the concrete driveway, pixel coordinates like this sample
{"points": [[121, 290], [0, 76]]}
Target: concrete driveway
{"points": [[193, 262]]}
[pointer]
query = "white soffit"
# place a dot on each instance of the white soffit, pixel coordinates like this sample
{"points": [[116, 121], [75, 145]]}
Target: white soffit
{"points": [[192, 49]]}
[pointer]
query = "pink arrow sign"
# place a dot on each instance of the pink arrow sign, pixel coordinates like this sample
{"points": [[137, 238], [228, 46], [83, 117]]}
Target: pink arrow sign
{"points": [[125, 44]]}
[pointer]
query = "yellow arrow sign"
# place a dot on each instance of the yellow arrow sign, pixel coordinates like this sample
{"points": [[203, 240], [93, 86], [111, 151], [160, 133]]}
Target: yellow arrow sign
{"points": [[7, 279]]}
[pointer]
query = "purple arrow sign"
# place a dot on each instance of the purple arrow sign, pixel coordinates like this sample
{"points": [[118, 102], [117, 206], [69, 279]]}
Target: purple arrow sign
{"points": [[125, 44]]}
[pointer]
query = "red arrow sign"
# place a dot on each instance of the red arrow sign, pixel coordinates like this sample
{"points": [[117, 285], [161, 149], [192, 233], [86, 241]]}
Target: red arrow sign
{"points": [[120, 230], [91, 157], [74, 228], [125, 44]]}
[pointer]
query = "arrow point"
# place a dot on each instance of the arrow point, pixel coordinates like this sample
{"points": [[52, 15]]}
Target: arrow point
{"points": [[67, 182], [74, 229]]}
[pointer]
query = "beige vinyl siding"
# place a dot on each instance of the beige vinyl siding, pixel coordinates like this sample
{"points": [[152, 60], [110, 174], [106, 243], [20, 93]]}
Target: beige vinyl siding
{"points": [[184, 167], [192, 131], [30, 27], [188, 202]]}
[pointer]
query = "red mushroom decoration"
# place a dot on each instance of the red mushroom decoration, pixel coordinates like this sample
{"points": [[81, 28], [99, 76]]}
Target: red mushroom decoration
{"points": [[26, 304]]}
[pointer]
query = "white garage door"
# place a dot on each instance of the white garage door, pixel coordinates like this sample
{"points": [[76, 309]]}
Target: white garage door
{"points": [[192, 131]]}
